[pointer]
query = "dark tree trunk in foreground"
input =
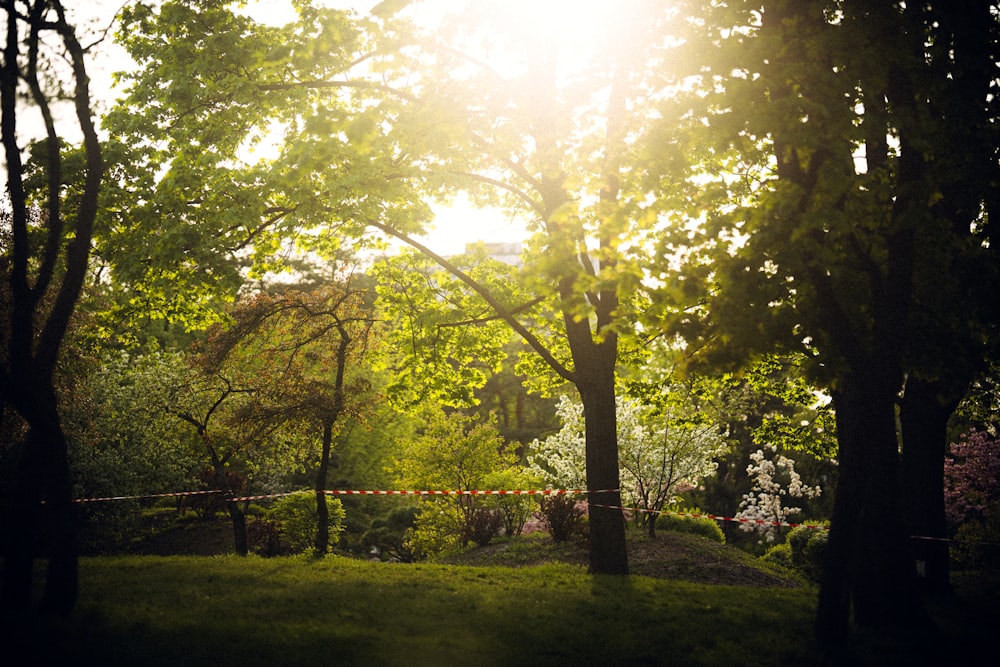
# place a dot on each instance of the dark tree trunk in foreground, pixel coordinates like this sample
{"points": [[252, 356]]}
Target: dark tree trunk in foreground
{"points": [[45, 265], [868, 573], [923, 417], [42, 475]]}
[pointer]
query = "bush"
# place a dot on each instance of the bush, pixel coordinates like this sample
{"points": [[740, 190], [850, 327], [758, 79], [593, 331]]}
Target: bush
{"points": [[297, 520], [436, 530], [779, 554], [701, 525], [264, 537], [387, 536], [516, 509], [483, 524], [808, 546], [561, 516], [976, 542]]}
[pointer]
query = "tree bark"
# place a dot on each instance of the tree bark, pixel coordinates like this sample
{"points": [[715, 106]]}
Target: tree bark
{"points": [[43, 477], [608, 554], [868, 571], [923, 417], [322, 511], [236, 514]]}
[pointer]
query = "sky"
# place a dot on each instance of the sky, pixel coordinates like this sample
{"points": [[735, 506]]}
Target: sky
{"points": [[455, 225]]}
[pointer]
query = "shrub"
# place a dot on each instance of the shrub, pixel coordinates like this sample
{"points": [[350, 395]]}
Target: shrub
{"points": [[516, 509], [297, 520], [264, 537], [437, 528], [562, 516], [779, 554], [700, 525], [808, 546], [483, 524], [387, 536], [976, 542]]}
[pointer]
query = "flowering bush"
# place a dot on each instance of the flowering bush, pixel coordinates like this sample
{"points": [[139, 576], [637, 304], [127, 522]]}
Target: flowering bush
{"points": [[773, 481], [971, 477], [660, 452], [972, 499]]}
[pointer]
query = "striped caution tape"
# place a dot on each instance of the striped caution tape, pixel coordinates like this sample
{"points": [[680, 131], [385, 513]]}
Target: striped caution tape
{"points": [[482, 492], [147, 495], [361, 492]]}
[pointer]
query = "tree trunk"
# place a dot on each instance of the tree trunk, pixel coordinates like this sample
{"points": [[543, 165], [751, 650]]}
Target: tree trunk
{"points": [[868, 568], [923, 417], [43, 474], [239, 521], [608, 554], [322, 512], [236, 515]]}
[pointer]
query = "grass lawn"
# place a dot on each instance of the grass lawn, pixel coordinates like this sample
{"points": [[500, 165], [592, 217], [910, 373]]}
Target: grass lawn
{"points": [[229, 611], [225, 610]]}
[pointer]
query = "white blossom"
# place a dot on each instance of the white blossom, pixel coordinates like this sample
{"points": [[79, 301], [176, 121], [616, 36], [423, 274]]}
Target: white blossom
{"points": [[764, 503]]}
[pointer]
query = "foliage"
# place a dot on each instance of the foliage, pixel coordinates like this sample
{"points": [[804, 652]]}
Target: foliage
{"points": [[122, 441], [387, 537], [660, 450], [483, 525], [264, 537], [454, 453], [976, 544], [514, 509], [563, 516], [445, 340], [773, 480], [972, 499], [295, 515], [438, 529], [779, 554], [676, 521], [972, 477], [808, 548]]}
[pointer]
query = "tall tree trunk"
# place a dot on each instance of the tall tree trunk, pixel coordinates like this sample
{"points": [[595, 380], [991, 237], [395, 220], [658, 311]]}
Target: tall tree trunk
{"points": [[868, 568], [923, 417], [322, 511], [43, 475], [608, 554]]}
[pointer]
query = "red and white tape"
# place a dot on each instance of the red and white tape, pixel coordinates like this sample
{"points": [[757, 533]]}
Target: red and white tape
{"points": [[363, 492]]}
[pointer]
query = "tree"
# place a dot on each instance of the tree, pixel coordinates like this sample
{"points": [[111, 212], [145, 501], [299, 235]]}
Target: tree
{"points": [[377, 115], [774, 479], [200, 400], [303, 355], [659, 450], [842, 224], [44, 267]]}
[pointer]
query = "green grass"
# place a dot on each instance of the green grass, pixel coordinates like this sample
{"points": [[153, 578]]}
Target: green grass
{"points": [[232, 611], [149, 610]]}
